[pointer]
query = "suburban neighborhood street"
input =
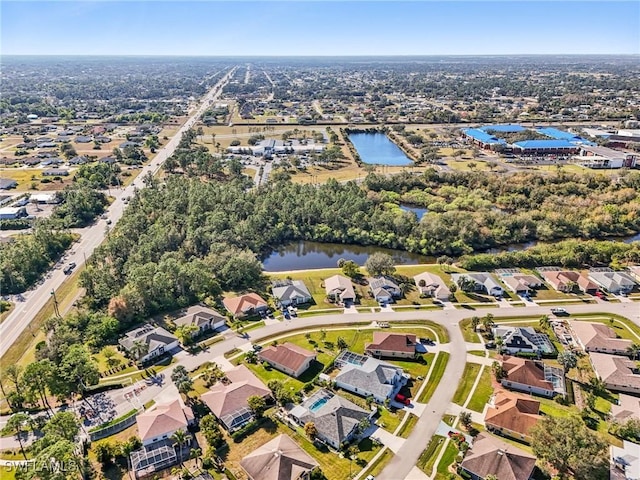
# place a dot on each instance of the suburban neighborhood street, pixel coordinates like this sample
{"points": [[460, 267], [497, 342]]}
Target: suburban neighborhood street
{"points": [[406, 452], [34, 300]]}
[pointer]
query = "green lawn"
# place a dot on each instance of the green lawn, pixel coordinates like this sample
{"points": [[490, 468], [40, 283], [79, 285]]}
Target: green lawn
{"points": [[447, 459], [389, 420], [467, 331], [296, 384], [471, 371], [449, 419], [477, 353], [376, 467], [405, 431], [436, 375], [428, 457], [482, 392]]}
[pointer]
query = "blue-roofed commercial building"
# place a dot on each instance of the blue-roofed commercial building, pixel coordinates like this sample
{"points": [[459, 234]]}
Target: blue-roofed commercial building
{"points": [[541, 147], [481, 138], [556, 134]]}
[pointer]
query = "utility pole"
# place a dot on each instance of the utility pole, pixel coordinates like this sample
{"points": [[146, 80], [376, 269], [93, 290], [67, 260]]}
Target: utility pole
{"points": [[55, 304]]}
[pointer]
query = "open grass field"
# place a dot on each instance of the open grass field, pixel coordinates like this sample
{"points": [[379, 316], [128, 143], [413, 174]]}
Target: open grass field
{"points": [[389, 419], [436, 375], [483, 391], [471, 371]]}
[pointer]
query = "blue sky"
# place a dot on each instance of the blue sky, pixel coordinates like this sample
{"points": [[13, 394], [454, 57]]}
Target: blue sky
{"points": [[319, 28]]}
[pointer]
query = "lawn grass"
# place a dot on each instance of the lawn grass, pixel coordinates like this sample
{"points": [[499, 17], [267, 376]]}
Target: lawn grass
{"points": [[405, 431], [471, 371], [477, 353], [467, 331], [378, 465], [448, 457], [440, 364], [390, 419], [428, 456], [483, 391], [449, 419]]}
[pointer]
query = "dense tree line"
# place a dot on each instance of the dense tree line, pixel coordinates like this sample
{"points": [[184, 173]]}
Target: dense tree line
{"points": [[189, 240], [568, 253], [80, 206], [27, 257]]}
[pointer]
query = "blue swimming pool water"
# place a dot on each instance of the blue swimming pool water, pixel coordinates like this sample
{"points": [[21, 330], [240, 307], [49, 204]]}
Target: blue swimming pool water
{"points": [[318, 404]]}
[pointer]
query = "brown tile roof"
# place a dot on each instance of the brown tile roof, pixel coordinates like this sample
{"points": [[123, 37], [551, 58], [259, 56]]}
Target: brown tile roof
{"points": [[287, 354], [243, 303], [525, 371], [512, 412], [163, 419], [560, 278], [492, 456], [279, 459], [225, 399], [615, 371], [598, 336], [393, 342], [628, 407]]}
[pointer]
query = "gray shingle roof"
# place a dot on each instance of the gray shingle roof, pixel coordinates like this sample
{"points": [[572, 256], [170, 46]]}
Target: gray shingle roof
{"points": [[373, 376]]}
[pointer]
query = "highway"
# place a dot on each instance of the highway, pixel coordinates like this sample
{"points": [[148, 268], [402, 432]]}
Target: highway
{"points": [[92, 236]]}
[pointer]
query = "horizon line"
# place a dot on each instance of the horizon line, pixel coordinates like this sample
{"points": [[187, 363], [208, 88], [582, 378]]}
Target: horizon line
{"points": [[316, 56]]}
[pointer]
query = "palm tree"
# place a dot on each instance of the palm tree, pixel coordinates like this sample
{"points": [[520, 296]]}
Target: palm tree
{"points": [[180, 438], [634, 351], [544, 322], [475, 321], [195, 454]]}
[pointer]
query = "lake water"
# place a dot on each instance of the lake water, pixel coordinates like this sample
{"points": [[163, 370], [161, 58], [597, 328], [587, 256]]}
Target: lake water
{"points": [[306, 255], [377, 149], [419, 211]]}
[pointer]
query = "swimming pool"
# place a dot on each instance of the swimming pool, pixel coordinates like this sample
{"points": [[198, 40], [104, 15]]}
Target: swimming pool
{"points": [[317, 405]]}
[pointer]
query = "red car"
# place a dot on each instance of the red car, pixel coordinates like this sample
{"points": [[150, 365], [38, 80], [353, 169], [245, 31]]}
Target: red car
{"points": [[402, 399]]}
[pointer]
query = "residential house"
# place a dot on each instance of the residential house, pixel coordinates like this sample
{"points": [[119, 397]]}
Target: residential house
{"points": [[619, 374], [206, 319], [336, 418], [483, 282], [55, 172], [398, 345], [279, 459], [148, 342], [7, 184], [290, 292], [520, 283], [245, 305], [523, 339], [596, 337], [432, 286], [163, 420], [384, 289], [532, 377], [288, 358], [565, 280], [491, 456], [627, 407], [155, 428], [625, 461], [512, 415], [340, 289], [367, 376], [634, 271], [228, 402], [78, 160], [612, 281]]}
